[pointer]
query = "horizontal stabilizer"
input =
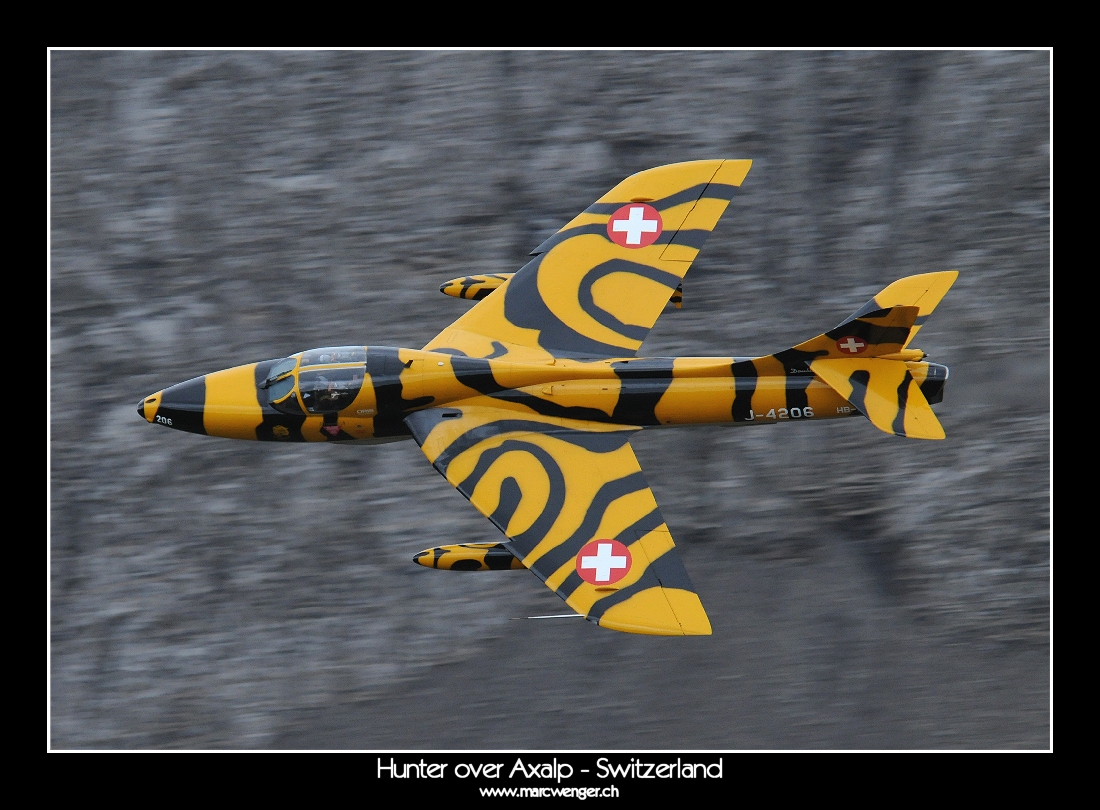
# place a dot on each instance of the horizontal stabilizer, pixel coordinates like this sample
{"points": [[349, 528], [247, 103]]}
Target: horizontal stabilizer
{"points": [[885, 392]]}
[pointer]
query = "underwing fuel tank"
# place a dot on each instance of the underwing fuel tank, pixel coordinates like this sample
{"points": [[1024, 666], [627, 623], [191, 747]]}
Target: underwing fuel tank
{"points": [[474, 288], [477, 287], [470, 557]]}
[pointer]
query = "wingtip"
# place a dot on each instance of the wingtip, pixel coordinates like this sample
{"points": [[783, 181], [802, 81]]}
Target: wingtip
{"points": [[732, 172], [659, 612]]}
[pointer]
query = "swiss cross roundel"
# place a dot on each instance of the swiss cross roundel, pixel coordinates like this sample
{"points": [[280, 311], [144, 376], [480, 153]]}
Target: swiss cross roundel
{"points": [[636, 225], [603, 562], [850, 344]]}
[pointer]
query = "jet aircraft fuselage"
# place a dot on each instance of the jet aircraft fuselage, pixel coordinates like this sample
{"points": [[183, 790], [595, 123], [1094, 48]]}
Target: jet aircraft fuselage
{"points": [[364, 394]]}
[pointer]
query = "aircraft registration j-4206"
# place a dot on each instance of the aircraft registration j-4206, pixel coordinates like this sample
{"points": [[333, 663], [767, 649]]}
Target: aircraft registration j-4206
{"points": [[526, 404]]}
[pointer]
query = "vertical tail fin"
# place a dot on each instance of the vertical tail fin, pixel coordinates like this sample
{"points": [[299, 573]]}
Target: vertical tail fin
{"points": [[866, 360], [885, 325], [924, 292]]}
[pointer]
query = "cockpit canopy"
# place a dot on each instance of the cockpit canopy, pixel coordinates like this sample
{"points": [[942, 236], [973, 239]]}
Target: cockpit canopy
{"points": [[331, 356], [319, 381]]}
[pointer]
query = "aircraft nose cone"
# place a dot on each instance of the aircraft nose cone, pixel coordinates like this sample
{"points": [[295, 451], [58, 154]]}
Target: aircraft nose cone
{"points": [[179, 406], [149, 406]]}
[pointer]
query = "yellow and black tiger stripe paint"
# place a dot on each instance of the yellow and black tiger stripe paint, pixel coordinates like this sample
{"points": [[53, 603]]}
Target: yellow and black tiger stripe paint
{"points": [[527, 402], [470, 557], [474, 288], [554, 485], [640, 392], [568, 300]]}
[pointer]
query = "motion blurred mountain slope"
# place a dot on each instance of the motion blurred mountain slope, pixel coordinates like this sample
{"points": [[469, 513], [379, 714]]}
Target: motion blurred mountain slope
{"points": [[215, 208]]}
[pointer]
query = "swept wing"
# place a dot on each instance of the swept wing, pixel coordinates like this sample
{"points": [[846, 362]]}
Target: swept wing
{"points": [[570, 496], [596, 287]]}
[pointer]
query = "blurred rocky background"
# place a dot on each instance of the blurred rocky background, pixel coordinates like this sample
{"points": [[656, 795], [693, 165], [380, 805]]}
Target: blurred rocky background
{"points": [[215, 208]]}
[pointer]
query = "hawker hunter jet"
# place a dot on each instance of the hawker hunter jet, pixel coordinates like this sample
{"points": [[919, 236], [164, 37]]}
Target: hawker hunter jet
{"points": [[526, 404]]}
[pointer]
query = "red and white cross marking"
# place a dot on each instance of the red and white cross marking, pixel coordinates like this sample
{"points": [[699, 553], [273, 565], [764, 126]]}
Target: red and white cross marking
{"points": [[635, 226], [851, 345], [603, 562]]}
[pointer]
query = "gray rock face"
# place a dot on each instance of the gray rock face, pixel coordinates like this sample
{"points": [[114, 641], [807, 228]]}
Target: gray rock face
{"points": [[215, 208]]}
